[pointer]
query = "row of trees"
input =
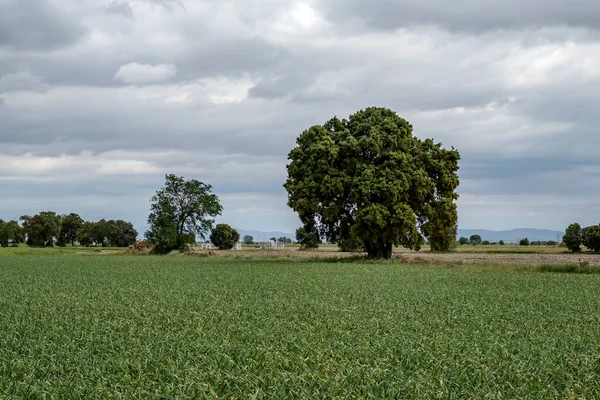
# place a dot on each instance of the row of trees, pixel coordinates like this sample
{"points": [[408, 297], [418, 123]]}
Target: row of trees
{"points": [[576, 236], [476, 239], [285, 240], [47, 229]]}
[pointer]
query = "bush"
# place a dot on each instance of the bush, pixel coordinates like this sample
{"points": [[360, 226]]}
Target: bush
{"points": [[351, 245], [524, 242], [501, 243], [308, 237], [485, 243], [463, 240], [224, 237]]}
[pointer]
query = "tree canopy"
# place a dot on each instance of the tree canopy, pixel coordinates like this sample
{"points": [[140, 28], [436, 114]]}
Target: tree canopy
{"points": [[181, 211], [368, 178], [224, 237]]}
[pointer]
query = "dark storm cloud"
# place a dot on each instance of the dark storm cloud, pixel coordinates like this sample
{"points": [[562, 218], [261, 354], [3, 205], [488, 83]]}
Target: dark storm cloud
{"points": [[466, 15], [36, 25]]}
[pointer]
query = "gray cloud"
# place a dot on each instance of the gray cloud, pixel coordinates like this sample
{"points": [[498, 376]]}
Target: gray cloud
{"points": [[36, 25], [120, 9], [250, 76], [466, 15]]}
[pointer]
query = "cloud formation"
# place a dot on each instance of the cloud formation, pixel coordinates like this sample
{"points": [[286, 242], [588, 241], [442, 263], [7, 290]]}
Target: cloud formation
{"points": [[99, 100]]}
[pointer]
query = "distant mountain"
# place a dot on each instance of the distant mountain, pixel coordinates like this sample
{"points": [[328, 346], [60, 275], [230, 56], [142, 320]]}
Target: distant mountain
{"points": [[514, 235], [260, 236]]}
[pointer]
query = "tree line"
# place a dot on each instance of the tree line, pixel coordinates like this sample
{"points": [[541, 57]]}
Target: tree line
{"points": [[48, 229], [576, 236]]}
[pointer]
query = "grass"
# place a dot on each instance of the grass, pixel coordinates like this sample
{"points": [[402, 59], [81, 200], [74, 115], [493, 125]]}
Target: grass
{"points": [[150, 327]]}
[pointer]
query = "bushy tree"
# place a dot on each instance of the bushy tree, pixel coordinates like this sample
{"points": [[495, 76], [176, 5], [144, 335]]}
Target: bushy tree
{"points": [[182, 211], [248, 239], [475, 239], [485, 243], [370, 179], [308, 237], [501, 243], [224, 236], [572, 237], [463, 240], [524, 242], [350, 245], [68, 231], [85, 234], [41, 229], [591, 237], [6, 233]]}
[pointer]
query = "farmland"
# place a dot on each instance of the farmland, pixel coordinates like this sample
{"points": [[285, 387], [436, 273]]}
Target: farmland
{"points": [[114, 326]]}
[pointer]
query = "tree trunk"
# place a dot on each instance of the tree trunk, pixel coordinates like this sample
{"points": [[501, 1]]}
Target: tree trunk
{"points": [[379, 250]]}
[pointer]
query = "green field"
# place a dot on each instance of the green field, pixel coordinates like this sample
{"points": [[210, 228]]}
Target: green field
{"points": [[113, 326]]}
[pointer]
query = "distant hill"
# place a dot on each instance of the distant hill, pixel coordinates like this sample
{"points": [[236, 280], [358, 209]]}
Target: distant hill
{"points": [[513, 235], [260, 236]]}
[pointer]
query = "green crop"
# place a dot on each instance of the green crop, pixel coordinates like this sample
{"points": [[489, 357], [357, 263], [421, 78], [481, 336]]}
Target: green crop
{"points": [[129, 327]]}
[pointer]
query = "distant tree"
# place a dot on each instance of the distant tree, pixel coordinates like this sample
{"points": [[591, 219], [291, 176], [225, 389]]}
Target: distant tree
{"points": [[273, 239], [475, 239], [120, 233], [591, 237], [368, 178], [85, 234], [18, 232], [308, 237], [181, 212], [551, 243], [224, 236], [248, 239], [42, 228], [573, 238], [463, 240], [100, 233], [6, 233], [485, 243], [70, 225], [501, 243], [524, 242]]}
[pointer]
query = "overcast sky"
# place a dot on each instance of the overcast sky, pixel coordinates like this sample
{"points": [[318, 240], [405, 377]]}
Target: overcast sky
{"points": [[100, 99]]}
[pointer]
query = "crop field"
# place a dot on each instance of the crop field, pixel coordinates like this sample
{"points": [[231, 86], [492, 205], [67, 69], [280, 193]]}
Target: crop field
{"points": [[134, 327]]}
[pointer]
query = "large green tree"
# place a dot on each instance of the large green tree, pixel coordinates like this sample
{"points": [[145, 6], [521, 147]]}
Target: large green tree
{"points": [[368, 178], [181, 211]]}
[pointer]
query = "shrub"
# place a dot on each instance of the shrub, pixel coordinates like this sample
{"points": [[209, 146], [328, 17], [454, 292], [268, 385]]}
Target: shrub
{"points": [[524, 242], [485, 243], [308, 237], [224, 237], [463, 240], [351, 245], [501, 243]]}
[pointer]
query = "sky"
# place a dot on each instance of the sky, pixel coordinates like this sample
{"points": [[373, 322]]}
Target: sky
{"points": [[100, 99]]}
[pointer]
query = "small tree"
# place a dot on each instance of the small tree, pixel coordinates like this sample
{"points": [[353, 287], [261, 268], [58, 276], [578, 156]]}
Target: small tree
{"points": [[6, 233], [524, 242], [248, 239], [463, 240], [501, 243], [485, 243], [572, 237], [475, 239], [224, 237], [591, 237], [180, 212], [308, 237]]}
